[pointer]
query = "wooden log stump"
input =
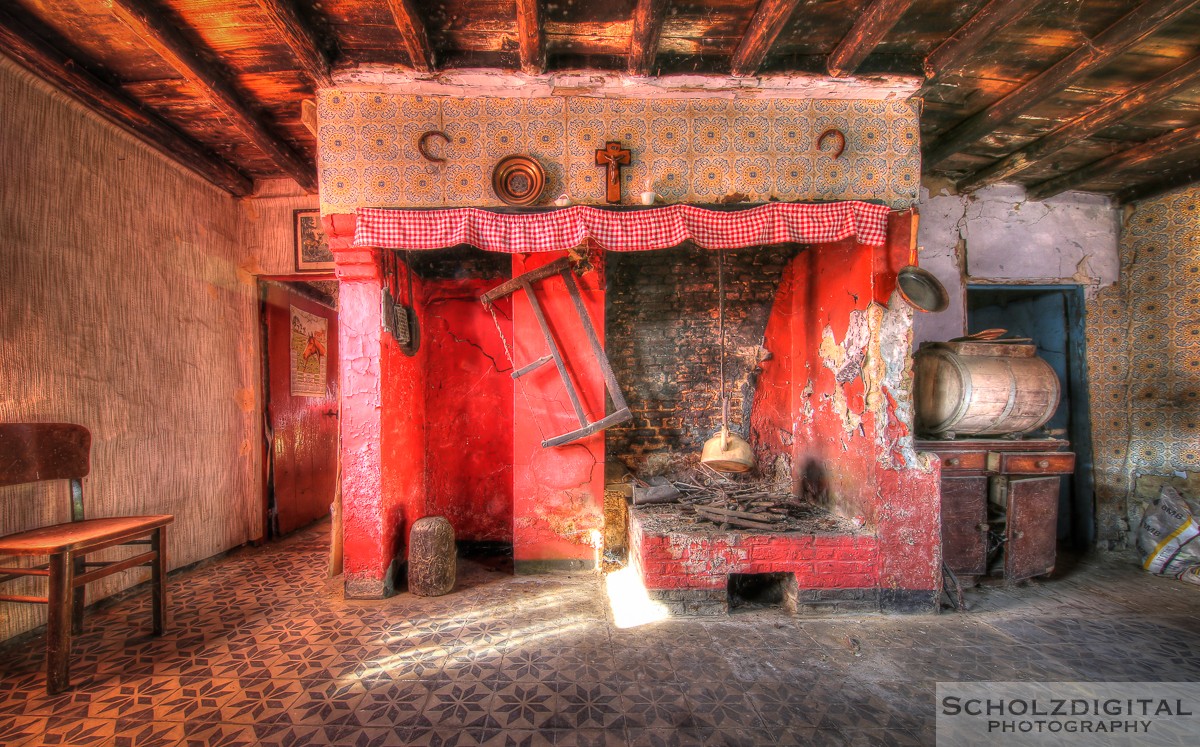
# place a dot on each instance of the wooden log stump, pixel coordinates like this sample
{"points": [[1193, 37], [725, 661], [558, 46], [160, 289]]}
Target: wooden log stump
{"points": [[431, 557]]}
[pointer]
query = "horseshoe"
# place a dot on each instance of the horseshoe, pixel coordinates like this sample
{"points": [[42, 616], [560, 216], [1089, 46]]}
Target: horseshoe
{"points": [[423, 142], [841, 137]]}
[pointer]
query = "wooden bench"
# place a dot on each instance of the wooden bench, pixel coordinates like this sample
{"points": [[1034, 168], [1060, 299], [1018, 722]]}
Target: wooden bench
{"points": [[36, 452]]}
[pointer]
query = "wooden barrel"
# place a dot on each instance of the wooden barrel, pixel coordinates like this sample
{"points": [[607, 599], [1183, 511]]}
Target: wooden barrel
{"points": [[431, 557], [981, 389]]}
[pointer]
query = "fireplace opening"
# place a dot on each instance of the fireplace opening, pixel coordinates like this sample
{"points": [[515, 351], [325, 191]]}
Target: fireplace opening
{"points": [[664, 342], [760, 590], [492, 555]]}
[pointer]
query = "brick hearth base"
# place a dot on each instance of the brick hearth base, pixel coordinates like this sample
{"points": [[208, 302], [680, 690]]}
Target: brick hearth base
{"points": [[688, 570]]}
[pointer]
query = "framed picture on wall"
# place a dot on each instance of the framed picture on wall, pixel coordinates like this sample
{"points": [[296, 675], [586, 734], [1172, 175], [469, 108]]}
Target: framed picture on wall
{"points": [[312, 248]]}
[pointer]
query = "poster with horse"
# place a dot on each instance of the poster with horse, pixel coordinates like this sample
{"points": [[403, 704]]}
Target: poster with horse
{"points": [[310, 334]]}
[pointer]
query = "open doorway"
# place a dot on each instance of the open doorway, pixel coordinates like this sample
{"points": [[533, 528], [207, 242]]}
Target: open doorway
{"points": [[300, 374], [1053, 317]]}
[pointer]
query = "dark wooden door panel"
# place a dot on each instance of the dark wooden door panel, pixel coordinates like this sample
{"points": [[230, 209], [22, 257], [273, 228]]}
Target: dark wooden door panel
{"points": [[964, 512], [1032, 527], [304, 427]]}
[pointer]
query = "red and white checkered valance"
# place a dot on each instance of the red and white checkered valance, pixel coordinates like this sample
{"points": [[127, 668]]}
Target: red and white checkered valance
{"points": [[621, 231]]}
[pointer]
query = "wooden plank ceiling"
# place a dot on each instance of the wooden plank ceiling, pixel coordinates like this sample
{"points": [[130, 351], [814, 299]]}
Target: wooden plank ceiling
{"points": [[1093, 95]]}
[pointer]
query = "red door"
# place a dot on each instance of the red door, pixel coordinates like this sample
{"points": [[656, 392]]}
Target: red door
{"points": [[302, 406]]}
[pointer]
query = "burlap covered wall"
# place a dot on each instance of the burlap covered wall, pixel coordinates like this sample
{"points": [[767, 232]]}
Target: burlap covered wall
{"points": [[123, 306]]}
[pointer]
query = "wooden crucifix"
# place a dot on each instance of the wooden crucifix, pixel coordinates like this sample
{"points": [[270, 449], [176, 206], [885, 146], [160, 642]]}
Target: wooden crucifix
{"points": [[612, 157]]}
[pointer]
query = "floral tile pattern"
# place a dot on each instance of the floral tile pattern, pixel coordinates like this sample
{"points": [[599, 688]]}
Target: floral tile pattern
{"points": [[536, 660], [1143, 350], [686, 150]]}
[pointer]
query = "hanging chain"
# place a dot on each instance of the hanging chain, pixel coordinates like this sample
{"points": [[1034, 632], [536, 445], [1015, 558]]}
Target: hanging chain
{"points": [[408, 267], [508, 353], [721, 324]]}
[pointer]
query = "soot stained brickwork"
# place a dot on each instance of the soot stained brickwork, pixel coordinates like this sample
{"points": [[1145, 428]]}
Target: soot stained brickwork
{"points": [[663, 339], [459, 263]]}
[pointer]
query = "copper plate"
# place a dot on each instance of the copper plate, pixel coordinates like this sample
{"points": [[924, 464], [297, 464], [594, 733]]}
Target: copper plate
{"points": [[518, 180]]}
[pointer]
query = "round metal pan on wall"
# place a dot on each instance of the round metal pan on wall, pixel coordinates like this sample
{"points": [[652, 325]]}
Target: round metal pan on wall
{"points": [[518, 180]]}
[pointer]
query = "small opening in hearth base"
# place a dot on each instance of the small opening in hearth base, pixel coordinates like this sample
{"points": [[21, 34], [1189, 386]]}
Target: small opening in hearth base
{"points": [[760, 590]]}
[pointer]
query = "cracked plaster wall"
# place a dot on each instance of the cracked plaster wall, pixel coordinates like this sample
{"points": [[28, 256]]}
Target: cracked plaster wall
{"points": [[996, 235], [469, 400]]}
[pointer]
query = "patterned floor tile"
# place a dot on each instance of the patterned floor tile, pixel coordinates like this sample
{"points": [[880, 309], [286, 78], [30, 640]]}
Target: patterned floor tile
{"points": [[589, 738], [721, 706], [589, 705], [77, 732], [513, 738], [524, 705], [138, 732], [218, 735], [464, 705], [264, 651], [19, 730], [326, 702], [133, 700], [394, 704], [260, 701]]}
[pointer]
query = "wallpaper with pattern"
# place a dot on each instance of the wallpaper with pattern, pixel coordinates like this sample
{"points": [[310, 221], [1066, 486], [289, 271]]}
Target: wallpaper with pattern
{"points": [[1143, 343], [696, 150]]}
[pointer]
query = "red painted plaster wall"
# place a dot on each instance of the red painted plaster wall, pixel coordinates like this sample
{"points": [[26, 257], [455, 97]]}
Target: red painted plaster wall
{"points": [[844, 406], [833, 282], [773, 420], [404, 427], [908, 484], [383, 460], [469, 398], [396, 471], [558, 493]]}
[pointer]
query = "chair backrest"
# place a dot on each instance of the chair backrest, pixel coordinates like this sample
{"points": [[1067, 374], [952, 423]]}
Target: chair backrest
{"points": [[31, 452]]}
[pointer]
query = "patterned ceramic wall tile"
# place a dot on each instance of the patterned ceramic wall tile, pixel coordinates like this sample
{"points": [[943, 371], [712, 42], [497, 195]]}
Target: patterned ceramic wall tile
{"points": [[685, 150], [1143, 342]]}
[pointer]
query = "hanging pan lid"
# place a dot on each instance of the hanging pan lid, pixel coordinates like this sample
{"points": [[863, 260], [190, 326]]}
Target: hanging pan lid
{"points": [[920, 288]]}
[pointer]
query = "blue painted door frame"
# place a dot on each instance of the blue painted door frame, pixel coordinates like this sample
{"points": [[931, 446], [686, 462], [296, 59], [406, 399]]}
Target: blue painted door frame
{"points": [[1053, 315]]}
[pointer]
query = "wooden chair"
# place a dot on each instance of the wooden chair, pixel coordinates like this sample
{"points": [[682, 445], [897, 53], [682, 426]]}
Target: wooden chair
{"points": [[34, 452]]}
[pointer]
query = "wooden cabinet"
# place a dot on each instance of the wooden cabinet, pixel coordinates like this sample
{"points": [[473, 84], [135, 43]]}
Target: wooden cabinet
{"points": [[1000, 504]]}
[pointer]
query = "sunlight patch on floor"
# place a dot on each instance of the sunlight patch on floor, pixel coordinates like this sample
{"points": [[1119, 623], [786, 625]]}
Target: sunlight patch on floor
{"points": [[630, 603]]}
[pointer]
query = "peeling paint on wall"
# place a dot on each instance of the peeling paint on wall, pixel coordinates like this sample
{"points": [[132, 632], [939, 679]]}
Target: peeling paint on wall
{"points": [[876, 351], [845, 360], [996, 235]]}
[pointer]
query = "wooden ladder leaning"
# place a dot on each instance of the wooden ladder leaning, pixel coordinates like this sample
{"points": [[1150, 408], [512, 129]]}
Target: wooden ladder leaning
{"points": [[525, 282]]}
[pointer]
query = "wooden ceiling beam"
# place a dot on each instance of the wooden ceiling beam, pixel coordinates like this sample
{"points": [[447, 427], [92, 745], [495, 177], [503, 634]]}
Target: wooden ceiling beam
{"points": [[1132, 28], [1183, 141], [1188, 176], [44, 60], [769, 19], [872, 25], [412, 30], [530, 40], [162, 34], [1181, 78], [301, 38], [964, 43], [648, 18]]}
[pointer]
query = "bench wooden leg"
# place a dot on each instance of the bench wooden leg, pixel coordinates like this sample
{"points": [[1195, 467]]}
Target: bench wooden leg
{"points": [[158, 580], [58, 623], [77, 569]]}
